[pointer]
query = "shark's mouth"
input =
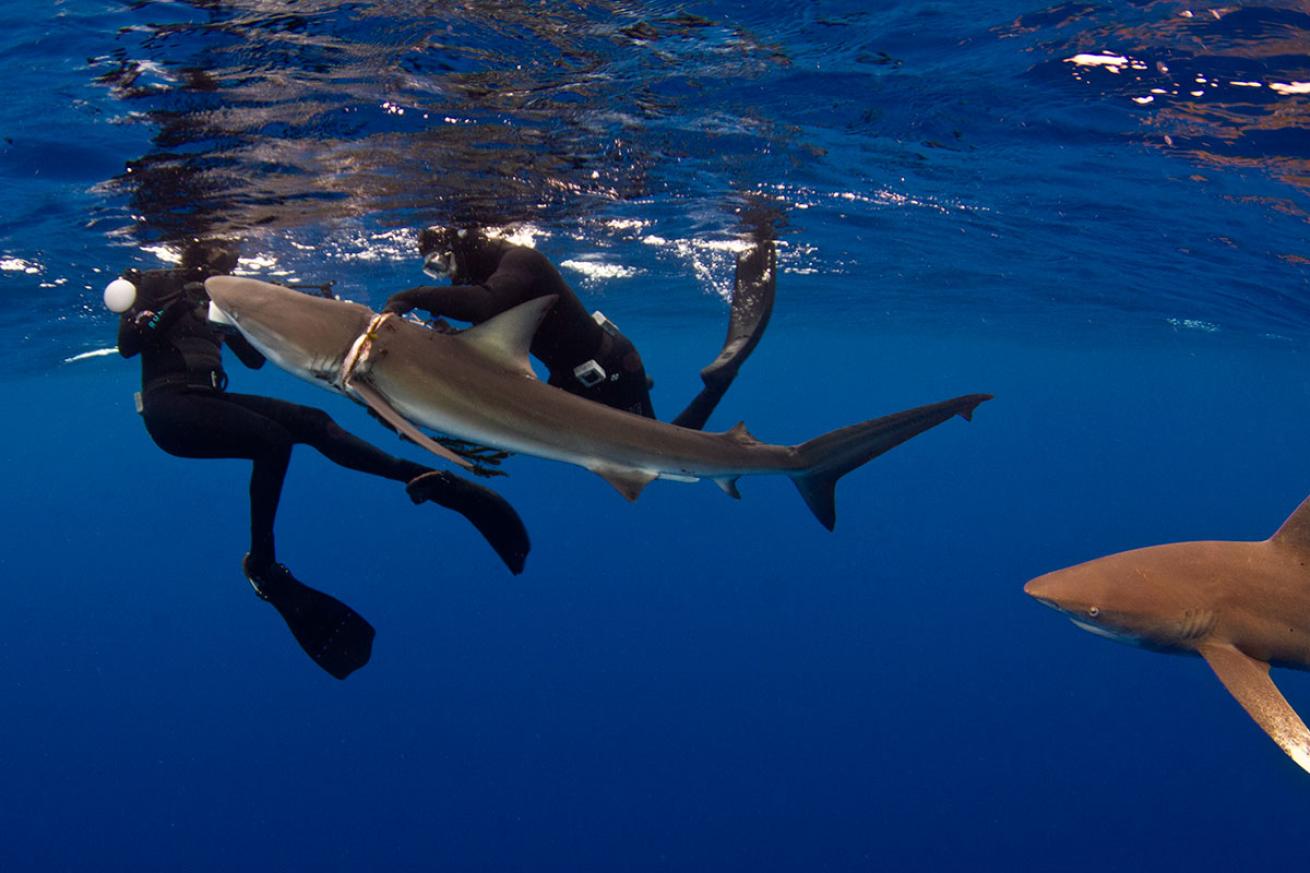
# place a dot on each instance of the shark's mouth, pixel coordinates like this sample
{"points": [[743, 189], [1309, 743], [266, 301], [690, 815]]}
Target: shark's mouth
{"points": [[1104, 632]]}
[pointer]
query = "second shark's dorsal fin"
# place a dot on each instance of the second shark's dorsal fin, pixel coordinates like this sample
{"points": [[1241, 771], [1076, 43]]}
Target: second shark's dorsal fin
{"points": [[1295, 532], [507, 337]]}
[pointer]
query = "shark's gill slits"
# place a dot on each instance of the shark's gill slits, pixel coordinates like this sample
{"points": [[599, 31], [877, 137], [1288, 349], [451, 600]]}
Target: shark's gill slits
{"points": [[1196, 623]]}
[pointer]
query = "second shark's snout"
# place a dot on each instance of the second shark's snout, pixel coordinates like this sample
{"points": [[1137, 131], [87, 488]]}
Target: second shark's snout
{"points": [[1045, 590]]}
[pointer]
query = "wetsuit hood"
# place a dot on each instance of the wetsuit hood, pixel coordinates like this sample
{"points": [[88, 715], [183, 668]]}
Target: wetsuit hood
{"points": [[475, 256]]}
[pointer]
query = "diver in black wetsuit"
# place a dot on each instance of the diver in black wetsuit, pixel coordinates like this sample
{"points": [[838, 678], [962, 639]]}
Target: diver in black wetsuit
{"points": [[189, 413], [585, 355]]}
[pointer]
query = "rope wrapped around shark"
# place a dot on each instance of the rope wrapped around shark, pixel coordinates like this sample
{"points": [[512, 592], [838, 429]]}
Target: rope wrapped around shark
{"points": [[358, 356], [479, 386]]}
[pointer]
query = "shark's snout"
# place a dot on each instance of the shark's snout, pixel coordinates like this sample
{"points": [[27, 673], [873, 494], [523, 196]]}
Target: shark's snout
{"points": [[308, 336], [1049, 603], [1039, 589]]}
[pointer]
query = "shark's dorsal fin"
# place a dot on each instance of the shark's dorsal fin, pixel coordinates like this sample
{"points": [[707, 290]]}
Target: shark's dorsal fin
{"points": [[1295, 532], [626, 481], [507, 337], [1247, 679]]}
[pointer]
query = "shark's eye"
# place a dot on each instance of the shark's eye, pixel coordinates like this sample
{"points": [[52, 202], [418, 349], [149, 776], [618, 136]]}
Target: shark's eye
{"points": [[1093, 611]]}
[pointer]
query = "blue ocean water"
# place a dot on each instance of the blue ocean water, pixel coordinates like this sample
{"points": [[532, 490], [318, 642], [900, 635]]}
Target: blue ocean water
{"points": [[1096, 211]]}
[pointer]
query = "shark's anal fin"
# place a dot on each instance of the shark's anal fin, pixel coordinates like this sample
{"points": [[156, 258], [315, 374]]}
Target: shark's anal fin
{"points": [[627, 482], [1247, 679], [507, 337], [400, 423], [729, 486]]}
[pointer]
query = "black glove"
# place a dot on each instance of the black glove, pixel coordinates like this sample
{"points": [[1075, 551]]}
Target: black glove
{"points": [[398, 304], [195, 293], [150, 323]]}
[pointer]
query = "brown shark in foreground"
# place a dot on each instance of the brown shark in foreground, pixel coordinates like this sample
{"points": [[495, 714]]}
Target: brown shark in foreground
{"points": [[478, 385], [1243, 606]]}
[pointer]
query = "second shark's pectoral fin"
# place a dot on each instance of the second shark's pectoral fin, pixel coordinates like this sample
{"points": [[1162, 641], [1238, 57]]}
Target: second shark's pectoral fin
{"points": [[626, 481], [508, 337], [378, 404], [1247, 679]]}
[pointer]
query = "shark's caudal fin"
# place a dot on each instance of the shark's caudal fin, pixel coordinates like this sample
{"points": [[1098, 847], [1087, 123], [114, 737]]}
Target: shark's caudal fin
{"points": [[829, 457]]}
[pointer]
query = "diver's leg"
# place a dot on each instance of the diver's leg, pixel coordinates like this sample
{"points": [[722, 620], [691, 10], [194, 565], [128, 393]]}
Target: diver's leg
{"points": [[315, 428], [752, 304], [196, 424], [490, 513]]}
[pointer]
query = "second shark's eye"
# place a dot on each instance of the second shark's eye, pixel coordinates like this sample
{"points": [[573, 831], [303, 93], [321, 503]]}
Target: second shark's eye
{"points": [[1093, 611]]}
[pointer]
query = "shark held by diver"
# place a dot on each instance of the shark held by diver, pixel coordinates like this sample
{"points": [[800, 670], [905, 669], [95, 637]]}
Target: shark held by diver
{"points": [[478, 385]]}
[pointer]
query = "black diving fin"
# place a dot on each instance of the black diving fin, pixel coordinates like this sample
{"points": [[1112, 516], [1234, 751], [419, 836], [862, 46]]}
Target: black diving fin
{"points": [[336, 637], [486, 510], [752, 304]]}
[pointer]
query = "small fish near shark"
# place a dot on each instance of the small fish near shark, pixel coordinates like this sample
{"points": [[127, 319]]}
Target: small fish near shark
{"points": [[478, 385], [1242, 606]]}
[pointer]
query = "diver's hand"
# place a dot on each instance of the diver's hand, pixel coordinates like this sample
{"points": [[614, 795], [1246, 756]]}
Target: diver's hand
{"points": [[398, 304], [194, 292]]}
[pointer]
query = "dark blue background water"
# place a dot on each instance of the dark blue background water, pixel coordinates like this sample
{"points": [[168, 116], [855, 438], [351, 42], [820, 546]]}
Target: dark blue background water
{"points": [[685, 682]]}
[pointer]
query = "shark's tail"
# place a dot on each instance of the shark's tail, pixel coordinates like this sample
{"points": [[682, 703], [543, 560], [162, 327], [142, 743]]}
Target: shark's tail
{"points": [[827, 458]]}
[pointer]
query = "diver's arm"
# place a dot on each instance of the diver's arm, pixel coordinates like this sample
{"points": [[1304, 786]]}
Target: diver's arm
{"points": [[142, 329], [245, 352], [130, 341], [472, 303]]}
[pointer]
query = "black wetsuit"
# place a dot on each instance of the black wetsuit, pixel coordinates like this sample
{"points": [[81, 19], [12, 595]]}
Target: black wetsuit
{"points": [[501, 276], [189, 413]]}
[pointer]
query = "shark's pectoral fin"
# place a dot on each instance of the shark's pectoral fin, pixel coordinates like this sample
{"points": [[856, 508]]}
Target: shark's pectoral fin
{"points": [[626, 481], [1248, 680], [375, 402], [507, 337]]}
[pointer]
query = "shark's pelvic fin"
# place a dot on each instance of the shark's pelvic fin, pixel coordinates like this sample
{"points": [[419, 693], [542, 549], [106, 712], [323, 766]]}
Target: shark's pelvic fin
{"points": [[400, 423], [627, 482], [1248, 680], [507, 337], [1295, 532]]}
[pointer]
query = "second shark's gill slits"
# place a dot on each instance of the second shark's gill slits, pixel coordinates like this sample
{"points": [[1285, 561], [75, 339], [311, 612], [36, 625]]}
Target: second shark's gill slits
{"points": [[1196, 623]]}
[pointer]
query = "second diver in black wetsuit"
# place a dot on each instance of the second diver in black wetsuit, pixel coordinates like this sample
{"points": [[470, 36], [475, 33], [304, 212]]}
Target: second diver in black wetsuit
{"points": [[585, 355], [189, 413]]}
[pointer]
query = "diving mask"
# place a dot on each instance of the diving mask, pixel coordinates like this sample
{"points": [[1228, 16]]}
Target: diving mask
{"points": [[439, 265]]}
